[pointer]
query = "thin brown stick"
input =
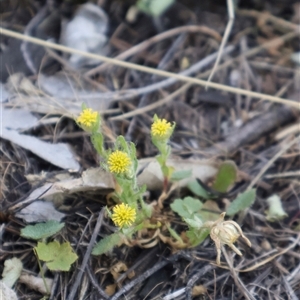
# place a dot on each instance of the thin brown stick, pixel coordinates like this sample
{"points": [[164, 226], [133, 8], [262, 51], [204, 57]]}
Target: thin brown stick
{"points": [[160, 37], [240, 285], [275, 20]]}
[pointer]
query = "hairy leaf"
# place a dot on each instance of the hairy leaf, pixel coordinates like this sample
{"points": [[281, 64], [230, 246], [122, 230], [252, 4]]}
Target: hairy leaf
{"points": [[41, 230], [243, 201], [197, 189], [179, 175], [226, 176], [107, 244]]}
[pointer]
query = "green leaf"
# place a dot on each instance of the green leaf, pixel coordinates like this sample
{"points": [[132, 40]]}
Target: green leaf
{"points": [[186, 207], [243, 201], [196, 222], [275, 211], [122, 144], [175, 235], [133, 157], [147, 209], [41, 230], [154, 7], [226, 176], [107, 244], [196, 237], [210, 211], [179, 175], [58, 257], [97, 141], [197, 189]]}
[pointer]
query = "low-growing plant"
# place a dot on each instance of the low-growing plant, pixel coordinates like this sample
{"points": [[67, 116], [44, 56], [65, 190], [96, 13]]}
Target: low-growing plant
{"points": [[132, 214]]}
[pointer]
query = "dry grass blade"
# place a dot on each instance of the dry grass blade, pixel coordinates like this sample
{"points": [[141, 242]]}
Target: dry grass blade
{"points": [[150, 70], [162, 36]]}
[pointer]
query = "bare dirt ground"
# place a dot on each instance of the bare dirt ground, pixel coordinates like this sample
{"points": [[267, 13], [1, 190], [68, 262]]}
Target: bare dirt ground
{"points": [[261, 136]]}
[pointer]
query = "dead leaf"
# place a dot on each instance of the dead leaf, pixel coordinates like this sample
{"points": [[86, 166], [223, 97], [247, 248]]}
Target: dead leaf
{"points": [[199, 290], [151, 175], [117, 269], [58, 154], [6, 293], [36, 283], [110, 289], [12, 271], [18, 119], [93, 179], [40, 211]]}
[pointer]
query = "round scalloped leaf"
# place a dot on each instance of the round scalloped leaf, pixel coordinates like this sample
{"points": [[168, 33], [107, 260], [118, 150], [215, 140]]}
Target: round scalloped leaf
{"points": [[187, 207], [58, 257], [41, 230]]}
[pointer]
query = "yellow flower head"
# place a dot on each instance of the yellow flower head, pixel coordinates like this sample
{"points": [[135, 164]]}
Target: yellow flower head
{"points": [[118, 162], [123, 215], [87, 118], [160, 128]]}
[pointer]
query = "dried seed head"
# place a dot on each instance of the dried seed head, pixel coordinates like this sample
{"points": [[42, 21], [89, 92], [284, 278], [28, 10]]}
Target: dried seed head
{"points": [[226, 233]]}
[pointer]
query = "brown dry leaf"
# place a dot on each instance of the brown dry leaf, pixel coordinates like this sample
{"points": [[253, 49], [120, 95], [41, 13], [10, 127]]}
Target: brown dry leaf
{"points": [[117, 269], [110, 289], [93, 179], [131, 274], [172, 242], [199, 290]]}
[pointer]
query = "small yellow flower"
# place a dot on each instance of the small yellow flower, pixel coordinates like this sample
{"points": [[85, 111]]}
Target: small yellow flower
{"points": [[160, 128], [123, 215], [118, 162], [87, 118]]}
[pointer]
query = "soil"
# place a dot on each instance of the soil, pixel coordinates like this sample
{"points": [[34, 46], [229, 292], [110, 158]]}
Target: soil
{"points": [[210, 124]]}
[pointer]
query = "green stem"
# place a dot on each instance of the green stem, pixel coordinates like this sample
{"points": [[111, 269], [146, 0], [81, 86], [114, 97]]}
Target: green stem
{"points": [[41, 270]]}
